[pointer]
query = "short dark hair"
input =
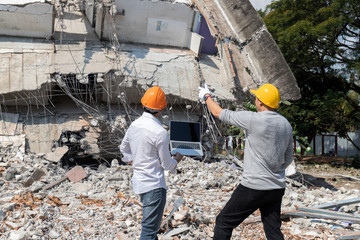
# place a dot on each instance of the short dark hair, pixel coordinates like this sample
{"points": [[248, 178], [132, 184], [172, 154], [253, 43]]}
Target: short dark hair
{"points": [[152, 111]]}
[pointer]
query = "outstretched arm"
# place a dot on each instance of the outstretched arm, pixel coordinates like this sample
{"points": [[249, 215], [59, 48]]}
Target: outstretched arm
{"points": [[214, 108]]}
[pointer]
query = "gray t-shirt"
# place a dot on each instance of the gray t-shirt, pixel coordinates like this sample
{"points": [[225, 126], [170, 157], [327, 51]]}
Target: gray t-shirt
{"points": [[268, 147]]}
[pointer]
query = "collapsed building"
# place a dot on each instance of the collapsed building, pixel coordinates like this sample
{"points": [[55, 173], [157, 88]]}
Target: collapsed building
{"points": [[72, 72]]}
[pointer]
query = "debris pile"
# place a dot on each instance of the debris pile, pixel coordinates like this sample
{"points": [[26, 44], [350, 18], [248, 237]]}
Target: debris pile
{"points": [[41, 200]]}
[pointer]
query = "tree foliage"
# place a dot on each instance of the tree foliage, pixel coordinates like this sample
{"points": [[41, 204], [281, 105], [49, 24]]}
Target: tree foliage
{"points": [[321, 42]]}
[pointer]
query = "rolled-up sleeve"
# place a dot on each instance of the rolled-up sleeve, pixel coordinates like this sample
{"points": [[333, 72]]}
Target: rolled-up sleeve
{"points": [[166, 161], [125, 149]]}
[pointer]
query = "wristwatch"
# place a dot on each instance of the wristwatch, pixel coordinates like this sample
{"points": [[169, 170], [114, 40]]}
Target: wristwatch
{"points": [[206, 96]]}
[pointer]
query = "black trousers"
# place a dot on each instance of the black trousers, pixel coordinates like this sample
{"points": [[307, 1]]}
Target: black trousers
{"points": [[243, 202]]}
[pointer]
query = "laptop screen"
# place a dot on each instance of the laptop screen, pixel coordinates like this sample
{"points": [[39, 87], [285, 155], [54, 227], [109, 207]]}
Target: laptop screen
{"points": [[185, 131]]}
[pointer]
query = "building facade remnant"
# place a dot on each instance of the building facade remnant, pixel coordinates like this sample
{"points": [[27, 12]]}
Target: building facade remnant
{"points": [[66, 64]]}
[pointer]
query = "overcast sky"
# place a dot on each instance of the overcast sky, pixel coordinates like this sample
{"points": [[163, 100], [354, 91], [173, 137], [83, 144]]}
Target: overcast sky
{"points": [[260, 4]]}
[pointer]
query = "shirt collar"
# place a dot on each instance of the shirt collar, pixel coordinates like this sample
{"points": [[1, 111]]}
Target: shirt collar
{"points": [[149, 115], [268, 112]]}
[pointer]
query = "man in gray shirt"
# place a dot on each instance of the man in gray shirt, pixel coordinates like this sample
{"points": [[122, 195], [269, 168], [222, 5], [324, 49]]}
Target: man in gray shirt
{"points": [[268, 151]]}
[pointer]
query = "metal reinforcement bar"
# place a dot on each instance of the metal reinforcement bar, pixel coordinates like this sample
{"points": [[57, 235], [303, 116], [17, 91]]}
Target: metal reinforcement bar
{"points": [[338, 204], [348, 177], [349, 237], [327, 212], [318, 215]]}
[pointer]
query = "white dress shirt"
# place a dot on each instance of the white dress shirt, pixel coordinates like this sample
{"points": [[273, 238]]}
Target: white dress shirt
{"points": [[146, 144]]}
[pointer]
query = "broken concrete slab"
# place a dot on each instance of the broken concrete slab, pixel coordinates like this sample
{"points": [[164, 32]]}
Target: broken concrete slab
{"points": [[212, 69], [36, 175], [18, 235], [74, 175], [81, 188], [17, 141], [176, 231], [122, 236], [247, 47], [8, 123], [27, 18], [57, 154]]}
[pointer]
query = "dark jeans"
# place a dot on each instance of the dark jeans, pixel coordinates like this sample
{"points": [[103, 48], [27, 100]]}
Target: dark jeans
{"points": [[243, 202], [153, 209]]}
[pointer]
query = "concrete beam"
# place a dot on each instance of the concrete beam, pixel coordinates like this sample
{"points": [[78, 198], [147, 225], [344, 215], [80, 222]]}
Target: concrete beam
{"points": [[251, 52]]}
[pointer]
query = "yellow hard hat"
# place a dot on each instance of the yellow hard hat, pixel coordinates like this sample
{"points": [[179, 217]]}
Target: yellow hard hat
{"points": [[154, 98], [268, 94]]}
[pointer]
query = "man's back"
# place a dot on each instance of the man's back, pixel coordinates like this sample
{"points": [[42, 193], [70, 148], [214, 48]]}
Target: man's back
{"points": [[268, 147], [146, 143]]}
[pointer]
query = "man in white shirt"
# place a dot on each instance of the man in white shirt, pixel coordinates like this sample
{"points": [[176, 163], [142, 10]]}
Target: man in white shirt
{"points": [[146, 145]]}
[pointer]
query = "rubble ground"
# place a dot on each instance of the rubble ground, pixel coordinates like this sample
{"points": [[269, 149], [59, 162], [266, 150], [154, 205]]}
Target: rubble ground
{"points": [[104, 206], [336, 171]]}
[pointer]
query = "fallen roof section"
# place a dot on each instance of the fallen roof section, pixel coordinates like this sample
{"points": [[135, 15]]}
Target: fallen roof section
{"points": [[177, 71]]}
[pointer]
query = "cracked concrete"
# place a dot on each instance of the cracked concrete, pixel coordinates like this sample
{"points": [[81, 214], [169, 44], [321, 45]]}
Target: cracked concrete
{"points": [[253, 54], [75, 71]]}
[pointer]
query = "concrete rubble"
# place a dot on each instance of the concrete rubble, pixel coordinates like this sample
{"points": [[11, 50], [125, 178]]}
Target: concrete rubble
{"points": [[73, 73], [103, 205]]}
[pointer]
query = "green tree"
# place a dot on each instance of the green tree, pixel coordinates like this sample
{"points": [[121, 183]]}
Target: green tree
{"points": [[321, 42]]}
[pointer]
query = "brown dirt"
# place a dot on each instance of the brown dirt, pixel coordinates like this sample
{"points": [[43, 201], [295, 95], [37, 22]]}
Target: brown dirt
{"points": [[328, 169]]}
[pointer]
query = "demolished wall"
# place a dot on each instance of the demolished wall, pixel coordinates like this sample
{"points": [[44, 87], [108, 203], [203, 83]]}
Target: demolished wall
{"points": [[76, 75], [148, 22]]}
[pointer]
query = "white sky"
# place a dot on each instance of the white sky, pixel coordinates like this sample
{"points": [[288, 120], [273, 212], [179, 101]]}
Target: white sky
{"points": [[260, 4], [19, 1]]}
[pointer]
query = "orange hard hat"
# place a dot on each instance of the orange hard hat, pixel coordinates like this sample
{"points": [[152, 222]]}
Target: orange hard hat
{"points": [[154, 98]]}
